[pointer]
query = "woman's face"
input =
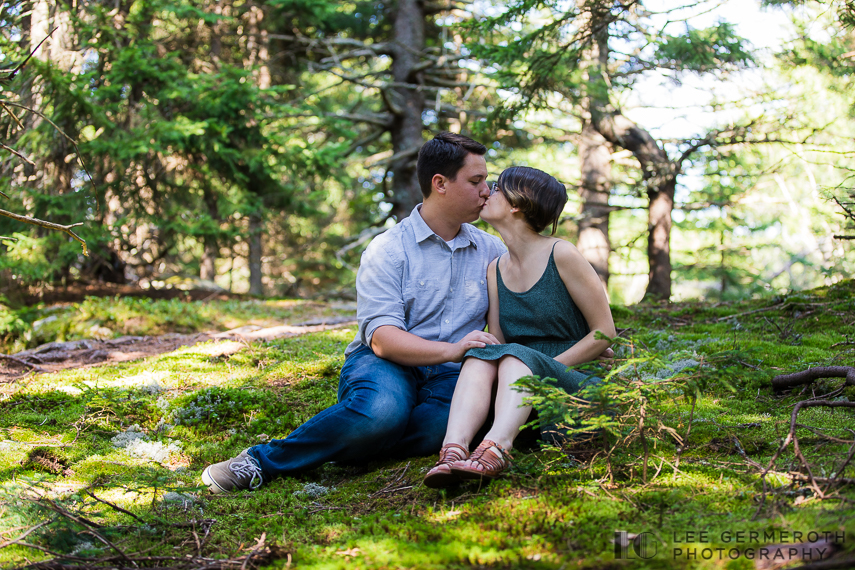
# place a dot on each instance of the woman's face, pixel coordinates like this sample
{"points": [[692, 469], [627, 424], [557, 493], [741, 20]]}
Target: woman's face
{"points": [[496, 205]]}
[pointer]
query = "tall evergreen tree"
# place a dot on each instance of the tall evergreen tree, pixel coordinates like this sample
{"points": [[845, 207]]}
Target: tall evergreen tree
{"points": [[570, 50]]}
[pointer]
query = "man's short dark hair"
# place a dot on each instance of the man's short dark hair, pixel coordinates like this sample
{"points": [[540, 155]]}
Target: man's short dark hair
{"points": [[444, 154]]}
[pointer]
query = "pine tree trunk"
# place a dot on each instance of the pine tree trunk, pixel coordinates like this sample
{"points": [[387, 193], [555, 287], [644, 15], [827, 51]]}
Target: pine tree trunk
{"points": [[594, 150], [257, 59], [208, 269], [660, 176], [407, 106], [659, 239], [256, 287], [593, 242]]}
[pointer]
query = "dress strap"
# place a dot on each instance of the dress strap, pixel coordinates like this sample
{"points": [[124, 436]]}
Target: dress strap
{"points": [[499, 282]]}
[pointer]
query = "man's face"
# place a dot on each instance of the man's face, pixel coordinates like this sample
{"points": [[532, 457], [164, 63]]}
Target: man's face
{"points": [[466, 194]]}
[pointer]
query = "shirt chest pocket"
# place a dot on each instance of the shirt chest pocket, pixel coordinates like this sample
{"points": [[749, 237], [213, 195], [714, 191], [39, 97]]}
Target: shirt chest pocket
{"points": [[475, 298], [425, 295]]}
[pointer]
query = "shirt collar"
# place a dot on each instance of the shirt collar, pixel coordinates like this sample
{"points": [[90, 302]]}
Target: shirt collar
{"points": [[422, 231]]}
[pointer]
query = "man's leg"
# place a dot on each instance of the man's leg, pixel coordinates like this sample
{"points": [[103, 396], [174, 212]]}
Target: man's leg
{"points": [[376, 398], [429, 418]]}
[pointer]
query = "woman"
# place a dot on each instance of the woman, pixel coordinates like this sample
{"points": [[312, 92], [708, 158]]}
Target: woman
{"points": [[546, 304]]}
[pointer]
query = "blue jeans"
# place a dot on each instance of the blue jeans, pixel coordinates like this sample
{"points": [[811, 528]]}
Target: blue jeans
{"points": [[383, 410]]}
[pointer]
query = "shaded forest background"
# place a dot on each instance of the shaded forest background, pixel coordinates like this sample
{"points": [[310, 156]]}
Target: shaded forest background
{"points": [[258, 146]]}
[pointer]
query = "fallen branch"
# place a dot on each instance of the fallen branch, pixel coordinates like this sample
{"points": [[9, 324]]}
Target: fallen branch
{"points": [[785, 381]]}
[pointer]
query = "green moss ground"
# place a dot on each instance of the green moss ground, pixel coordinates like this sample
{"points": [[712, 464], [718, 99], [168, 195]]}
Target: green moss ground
{"points": [[110, 317], [554, 510]]}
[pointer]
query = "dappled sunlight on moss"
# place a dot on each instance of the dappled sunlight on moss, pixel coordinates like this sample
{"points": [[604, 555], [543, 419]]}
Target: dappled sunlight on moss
{"points": [[551, 510]]}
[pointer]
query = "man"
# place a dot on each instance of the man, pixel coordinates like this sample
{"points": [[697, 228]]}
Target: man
{"points": [[421, 304]]}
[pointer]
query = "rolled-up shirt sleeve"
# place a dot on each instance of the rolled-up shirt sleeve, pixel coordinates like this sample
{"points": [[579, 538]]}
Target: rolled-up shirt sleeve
{"points": [[380, 298]]}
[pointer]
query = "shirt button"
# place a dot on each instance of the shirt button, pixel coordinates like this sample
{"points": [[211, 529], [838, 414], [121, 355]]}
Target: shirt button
{"points": [[447, 321], [482, 282], [421, 282], [451, 289]]}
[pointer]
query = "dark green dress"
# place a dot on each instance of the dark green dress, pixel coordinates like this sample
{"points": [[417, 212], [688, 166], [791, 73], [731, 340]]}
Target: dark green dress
{"points": [[538, 325]]}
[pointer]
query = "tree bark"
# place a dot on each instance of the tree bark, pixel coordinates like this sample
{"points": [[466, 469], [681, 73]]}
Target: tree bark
{"points": [[593, 242], [660, 176], [257, 60], [256, 286], [406, 105], [208, 269], [594, 149]]}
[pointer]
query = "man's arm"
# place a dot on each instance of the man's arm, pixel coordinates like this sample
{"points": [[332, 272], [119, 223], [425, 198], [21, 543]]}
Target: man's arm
{"points": [[407, 349]]}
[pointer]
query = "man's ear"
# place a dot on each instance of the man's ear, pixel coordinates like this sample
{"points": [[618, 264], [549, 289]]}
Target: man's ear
{"points": [[438, 183]]}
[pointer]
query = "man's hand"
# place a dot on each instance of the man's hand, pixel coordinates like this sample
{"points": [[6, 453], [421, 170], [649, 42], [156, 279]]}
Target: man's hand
{"points": [[607, 354], [475, 339], [407, 349]]}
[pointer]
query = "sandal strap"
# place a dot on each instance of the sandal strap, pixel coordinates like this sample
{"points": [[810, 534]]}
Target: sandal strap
{"points": [[484, 455], [452, 452]]}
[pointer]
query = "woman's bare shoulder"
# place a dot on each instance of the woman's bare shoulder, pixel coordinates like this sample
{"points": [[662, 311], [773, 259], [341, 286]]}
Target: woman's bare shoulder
{"points": [[567, 254]]}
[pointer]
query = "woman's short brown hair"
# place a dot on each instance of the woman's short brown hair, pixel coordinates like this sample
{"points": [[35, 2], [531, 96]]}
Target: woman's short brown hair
{"points": [[539, 196]]}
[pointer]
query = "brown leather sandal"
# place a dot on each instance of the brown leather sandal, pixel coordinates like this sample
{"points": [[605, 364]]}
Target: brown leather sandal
{"points": [[441, 476], [488, 461]]}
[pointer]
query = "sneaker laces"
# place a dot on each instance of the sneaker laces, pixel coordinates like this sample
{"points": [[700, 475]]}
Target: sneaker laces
{"points": [[248, 468]]}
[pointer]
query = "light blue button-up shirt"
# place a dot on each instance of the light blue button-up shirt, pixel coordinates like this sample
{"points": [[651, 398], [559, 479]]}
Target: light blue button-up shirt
{"points": [[412, 279]]}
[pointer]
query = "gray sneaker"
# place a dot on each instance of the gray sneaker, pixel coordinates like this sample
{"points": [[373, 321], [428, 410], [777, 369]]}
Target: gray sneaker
{"points": [[238, 473]]}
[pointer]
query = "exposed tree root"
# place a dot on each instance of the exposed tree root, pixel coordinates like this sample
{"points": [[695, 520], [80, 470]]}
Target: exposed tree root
{"points": [[784, 381], [22, 362]]}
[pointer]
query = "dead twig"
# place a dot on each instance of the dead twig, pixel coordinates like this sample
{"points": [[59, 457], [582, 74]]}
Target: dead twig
{"points": [[12, 73], [258, 546], [23, 536], [50, 226], [116, 507], [792, 438], [18, 154]]}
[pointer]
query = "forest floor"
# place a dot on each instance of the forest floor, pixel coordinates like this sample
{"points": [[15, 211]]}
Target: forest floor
{"points": [[100, 454]]}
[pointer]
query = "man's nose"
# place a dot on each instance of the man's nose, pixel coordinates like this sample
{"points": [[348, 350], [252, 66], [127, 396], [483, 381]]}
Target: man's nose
{"points": [[484, 189]]}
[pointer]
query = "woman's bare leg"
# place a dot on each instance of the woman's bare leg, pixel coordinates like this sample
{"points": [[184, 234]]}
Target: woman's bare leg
{"points": [[471, 401], [510, 414]]}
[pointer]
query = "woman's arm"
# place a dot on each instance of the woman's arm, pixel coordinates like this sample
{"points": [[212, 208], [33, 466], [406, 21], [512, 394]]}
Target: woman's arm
{"points": [[493, 310], [587, 292]]}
